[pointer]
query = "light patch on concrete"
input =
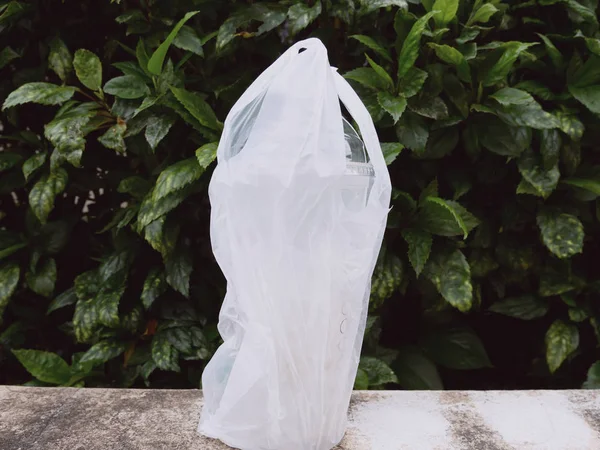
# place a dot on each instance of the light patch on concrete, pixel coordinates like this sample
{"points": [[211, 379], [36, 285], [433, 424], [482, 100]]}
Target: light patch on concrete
{"points": [[411, 423], [546, 421]]}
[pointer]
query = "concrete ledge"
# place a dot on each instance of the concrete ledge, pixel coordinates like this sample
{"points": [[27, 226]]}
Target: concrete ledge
{"points": [[127, 419]]}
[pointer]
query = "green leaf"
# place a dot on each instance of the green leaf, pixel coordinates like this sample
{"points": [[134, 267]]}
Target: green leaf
{"points": [[270, 16], [197, 107], [67, 130], [412, 131], [102, 352], [85, 320], [188, 40], [562, 233], [65, 299], [591, 184], [430, 107], [584, 84], [415, 371], [562, 339], [526, 307], [456, 348], [7, 54], [180, 338], [9, 160], [581, 14], [38, 92], [207, 154], [450, 273], [538, 89], [482, 14], [550, 145], [87, 285], [447, 9], [553, 282], [441, 142], [543, 181], [158, 127], [42, 281], [395, 106], [570, 156], [452, 56], [501, 67], [45, 366], [446, 217], [127, 87], [114, 267], [9, 279], [301, 15], [410, 48], [368, 6], [151, 210], [570, 124], [412, 82], [176, 177], [164, 355], [113, 137], [132, 68], [41, 196], [512, 96], [504, 139], [387, 277], [457, 94], [390, 151], [11, 10], [158, 57], [142, 57], [178, 267], [161, 239], [555, 56], [88, 69], [60, 59], [482, 263], [370, 43], [467, 34], [519, 108], [33, 164], [107, 306], [378, 372], [578, 314], [419, 247], [361, 382], [154, 286], [137, 186], [431, 190], [593, 377], [7, 251], [368, 78], [132, 320], [385, 77]]}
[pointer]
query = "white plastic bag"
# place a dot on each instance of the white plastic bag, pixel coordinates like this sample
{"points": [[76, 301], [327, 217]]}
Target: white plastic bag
{"points": [[298, 252]]}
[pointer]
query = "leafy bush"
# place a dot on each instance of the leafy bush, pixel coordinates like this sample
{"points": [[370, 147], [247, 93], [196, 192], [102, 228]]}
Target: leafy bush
{"points": [[488, 112]]}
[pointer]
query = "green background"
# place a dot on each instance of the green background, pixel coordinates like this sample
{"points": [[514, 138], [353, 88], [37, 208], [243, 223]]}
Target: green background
{"points": [[489, 118]]}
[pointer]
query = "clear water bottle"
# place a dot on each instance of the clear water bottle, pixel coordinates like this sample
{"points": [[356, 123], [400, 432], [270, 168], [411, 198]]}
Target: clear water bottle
{"points": [[360, 174]]}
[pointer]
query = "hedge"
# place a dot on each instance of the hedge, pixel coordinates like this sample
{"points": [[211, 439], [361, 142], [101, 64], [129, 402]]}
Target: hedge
{"points": [[489, 116]]}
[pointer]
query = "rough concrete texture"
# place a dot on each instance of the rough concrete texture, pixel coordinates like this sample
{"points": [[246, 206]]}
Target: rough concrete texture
{"points": [[126, 419]]}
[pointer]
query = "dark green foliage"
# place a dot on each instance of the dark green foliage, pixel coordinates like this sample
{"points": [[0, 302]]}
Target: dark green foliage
{"points": [[489, 116]]}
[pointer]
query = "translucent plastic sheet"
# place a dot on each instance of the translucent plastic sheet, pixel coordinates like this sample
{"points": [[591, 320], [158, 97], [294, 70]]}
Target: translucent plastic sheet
{"points": [[297, 238]]}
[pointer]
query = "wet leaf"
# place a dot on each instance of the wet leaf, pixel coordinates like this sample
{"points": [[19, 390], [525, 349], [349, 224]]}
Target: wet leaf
{"points": [[562, 339]]}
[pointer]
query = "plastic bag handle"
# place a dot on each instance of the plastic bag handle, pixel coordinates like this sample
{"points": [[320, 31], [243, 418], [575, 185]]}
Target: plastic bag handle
{"points": [[258, 87], [361, 115]]}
